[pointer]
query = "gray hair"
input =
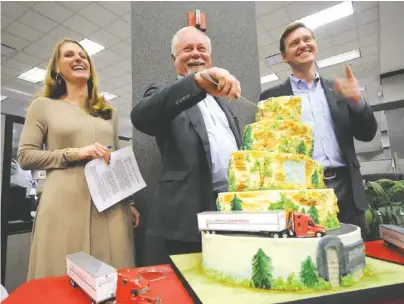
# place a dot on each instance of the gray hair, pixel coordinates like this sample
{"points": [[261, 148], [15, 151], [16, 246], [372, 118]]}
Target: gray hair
{"points": [[175, 39]]}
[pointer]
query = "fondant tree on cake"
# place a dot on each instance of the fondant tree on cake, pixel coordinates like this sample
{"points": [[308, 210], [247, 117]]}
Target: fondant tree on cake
{"points": [[236, 204], [261, 270], [308, 273], [301, 148], [314, 214], [314, 179], [247, 139]]}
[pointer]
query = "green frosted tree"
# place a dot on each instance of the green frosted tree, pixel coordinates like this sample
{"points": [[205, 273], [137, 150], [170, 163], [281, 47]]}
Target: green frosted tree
{"points": [[314, 214], [232, 180], [308, 273], [267, 167], [314, 179], [262, 270], [247, 138], [301, 148], [236, 204], [256, 167], [303, 210], [311, 150], [331, 221], [218, 206]]}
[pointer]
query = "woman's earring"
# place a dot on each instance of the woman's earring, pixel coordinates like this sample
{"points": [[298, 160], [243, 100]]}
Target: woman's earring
{"points": [[58, 78]]}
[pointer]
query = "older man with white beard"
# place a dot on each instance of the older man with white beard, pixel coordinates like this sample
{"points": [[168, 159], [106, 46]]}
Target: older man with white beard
{"points": [[196, 133]]}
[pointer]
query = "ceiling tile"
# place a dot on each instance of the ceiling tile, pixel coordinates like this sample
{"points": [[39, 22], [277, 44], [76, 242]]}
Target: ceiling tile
{"points": [[119, 28], [53, 10], [374, 49], [26, 58], [119, 8], [367, 16], [345, 37], [264, 39], [302, 9], [5, 21], [325, 53], [268, 50], [127, 18], [284, 74], [37, 21], [12, 9], [16, 65], [38, 51], [8, 73], [23, 31], [127, 78], [370, 58], [265, 7], [122, 48], [13, 41], [367, 41], [75, 6], [260, 27], [104, 38], [280, 67], [103, 15], [81, 25], [277, 32], [369, 29], [341, 25], [44, 64], [274, 19], [346, 47], [105, 58], [324, 43], [359, 6], [54, 36], [28, 4]]}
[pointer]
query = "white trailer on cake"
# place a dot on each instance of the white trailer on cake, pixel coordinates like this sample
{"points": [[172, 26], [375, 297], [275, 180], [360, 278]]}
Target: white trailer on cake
{"points": [[270, 223], [392, 235]]}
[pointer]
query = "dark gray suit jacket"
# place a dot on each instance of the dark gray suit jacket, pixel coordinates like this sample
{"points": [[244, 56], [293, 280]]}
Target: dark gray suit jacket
{"points": [[348, 124], [170, 114]]}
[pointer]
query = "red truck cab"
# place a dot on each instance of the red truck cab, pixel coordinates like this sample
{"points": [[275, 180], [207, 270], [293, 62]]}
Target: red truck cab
{"points": [[132, 288], [302, 225]]}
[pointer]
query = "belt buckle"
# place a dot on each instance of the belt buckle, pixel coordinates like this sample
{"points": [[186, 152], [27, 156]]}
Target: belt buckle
{"points": [[330, 177]]}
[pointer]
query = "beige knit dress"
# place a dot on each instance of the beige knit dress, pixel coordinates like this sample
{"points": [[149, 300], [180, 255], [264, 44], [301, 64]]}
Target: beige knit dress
{"points": [[67, 220]]}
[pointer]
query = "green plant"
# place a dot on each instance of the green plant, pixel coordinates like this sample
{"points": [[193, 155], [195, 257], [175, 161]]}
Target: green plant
{"points": [[308, 273], [218, 205], [301, 148], [284, 203], [322, 285], [314, 179], [331, 222], [314, 214], [236, 204], [247, 138], [347, 281], [262, 270], [227, 278]]}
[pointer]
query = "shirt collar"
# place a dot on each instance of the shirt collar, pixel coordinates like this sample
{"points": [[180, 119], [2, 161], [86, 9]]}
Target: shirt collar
{"points": [[298, 82]]}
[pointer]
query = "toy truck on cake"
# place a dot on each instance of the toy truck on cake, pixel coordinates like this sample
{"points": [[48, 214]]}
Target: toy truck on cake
{"points": [[392, 235], [104, 284], [270, 223]]}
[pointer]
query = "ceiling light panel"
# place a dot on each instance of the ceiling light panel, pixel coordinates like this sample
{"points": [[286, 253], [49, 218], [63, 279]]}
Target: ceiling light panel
{"points": [[33, 75], [108, 96], [338, 59], [328, 15], [269, 78], [91, 47]]}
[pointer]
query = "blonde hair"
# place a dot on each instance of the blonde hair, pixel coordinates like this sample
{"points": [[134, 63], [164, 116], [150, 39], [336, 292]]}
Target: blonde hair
{"points": [[96, 104]]}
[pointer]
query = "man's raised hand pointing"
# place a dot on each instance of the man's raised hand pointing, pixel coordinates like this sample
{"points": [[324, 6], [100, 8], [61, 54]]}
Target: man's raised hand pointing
{"points": [[349, 86]]}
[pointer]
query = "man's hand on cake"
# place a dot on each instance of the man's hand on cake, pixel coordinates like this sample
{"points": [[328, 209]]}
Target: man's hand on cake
{"points": [[349, 86], [228, 85]]}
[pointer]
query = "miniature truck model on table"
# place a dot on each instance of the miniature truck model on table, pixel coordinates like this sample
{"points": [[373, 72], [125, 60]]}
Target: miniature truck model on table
{"points": [[104, 284], [392, 235], [270, 223]]}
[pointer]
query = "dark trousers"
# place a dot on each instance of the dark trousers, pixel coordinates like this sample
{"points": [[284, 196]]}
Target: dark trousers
{"points": [[340, 180], [158, 250]]}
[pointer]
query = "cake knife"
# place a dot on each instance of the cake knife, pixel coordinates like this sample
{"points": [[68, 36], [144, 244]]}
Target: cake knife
{"points": [[207, 77]]}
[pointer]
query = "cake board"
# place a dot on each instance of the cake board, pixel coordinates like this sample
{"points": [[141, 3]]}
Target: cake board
{"points": [[387, 282]]}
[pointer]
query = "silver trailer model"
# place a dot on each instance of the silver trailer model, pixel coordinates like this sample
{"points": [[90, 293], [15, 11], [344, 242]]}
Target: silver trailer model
{"points": [[93, 276], [242, 221], [392, 235]]}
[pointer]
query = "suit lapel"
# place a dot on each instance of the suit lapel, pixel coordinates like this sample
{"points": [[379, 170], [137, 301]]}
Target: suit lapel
{"points": [[196, 118], [286, 88], [230, 119]]}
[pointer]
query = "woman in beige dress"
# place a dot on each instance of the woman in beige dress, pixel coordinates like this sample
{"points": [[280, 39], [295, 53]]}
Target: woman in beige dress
{"points": [[76, 125]]}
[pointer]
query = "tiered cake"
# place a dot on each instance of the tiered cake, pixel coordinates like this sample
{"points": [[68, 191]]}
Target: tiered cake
{"points": [[274, 171]]}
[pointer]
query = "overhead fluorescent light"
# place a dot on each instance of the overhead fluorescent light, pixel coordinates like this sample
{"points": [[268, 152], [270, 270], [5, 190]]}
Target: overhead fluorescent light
{"points": [[34, 75], [91, 47], [269, 78], [274, 59], [362, 89], [3, 97], [338, 59], [108, 96], [18, 91], [328, 15]]}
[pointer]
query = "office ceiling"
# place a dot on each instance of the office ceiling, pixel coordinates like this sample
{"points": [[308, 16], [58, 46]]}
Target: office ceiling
{"points": [[33, 28]]}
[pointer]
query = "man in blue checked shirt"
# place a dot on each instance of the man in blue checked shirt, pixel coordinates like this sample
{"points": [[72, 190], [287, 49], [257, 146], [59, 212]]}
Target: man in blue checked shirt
{"points": [[336, 112]]}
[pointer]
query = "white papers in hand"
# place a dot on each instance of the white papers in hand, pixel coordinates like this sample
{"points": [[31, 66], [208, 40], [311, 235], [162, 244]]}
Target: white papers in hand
{"points": [[110, 184]]}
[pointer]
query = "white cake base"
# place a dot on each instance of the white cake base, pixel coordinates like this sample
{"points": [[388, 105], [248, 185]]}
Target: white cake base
{"points": [[339, 253]]}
